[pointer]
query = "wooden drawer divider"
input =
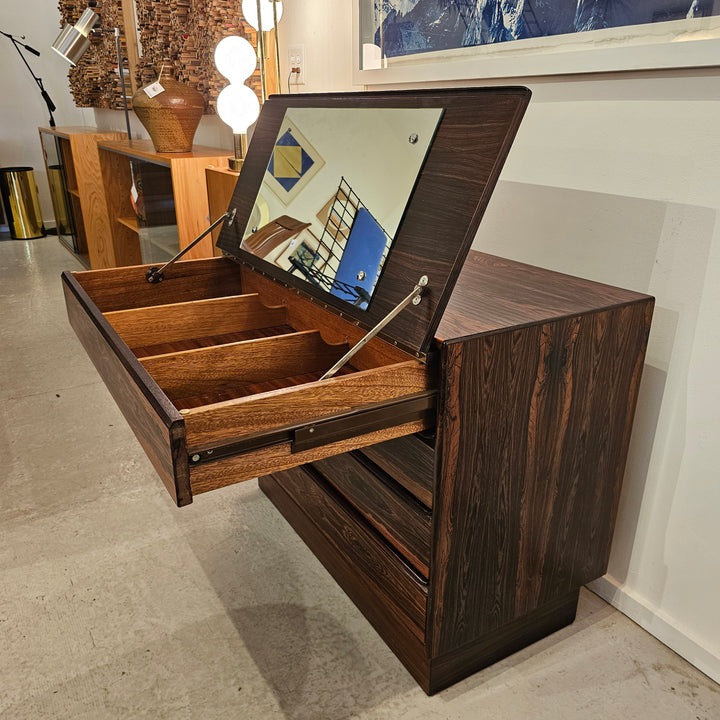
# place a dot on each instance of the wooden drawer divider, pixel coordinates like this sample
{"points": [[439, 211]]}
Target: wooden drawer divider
{"points": [[157, 324]]}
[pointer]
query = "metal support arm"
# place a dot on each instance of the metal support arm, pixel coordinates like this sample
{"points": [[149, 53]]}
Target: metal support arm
{"points": [[155, 274], [413, 297]]}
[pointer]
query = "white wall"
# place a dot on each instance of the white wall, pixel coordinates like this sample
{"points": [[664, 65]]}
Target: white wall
{"points": [[22, 109], [617, 178]]}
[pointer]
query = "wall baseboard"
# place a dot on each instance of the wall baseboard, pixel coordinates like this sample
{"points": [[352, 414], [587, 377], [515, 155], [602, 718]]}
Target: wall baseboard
{"points": [[658, 624]]}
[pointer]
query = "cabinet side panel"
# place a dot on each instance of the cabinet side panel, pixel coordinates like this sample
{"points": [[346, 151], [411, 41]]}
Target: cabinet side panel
{"points": [[92, 198], [533, 435]]}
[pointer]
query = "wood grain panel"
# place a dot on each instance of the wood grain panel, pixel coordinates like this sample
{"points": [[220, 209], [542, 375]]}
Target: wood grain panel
{"points": [[220, 187], [498, 644], [494, 293], [335, 328], [92, 198], [409, 461], [240, 391], [226, 421], [85, 178], [532, 444], [247, 466], [191, 202], [381, 568], [144, 149], [394, 626], [156, 423], [208, 370], [167, 323], [116, 183], [388, 508], [125, 288], [210, 341]]}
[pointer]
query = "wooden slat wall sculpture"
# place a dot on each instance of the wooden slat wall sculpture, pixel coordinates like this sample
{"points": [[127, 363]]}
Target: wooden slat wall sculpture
{"points": [[184, 34], [94, 82], [180, 34]]}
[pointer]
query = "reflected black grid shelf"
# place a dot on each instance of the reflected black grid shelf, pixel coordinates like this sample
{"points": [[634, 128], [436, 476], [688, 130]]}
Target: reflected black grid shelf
{"points": [[322, 266]]}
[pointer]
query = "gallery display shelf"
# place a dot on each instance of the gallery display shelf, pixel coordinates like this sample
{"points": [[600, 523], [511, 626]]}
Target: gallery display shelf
{"points": [[147, 190]]}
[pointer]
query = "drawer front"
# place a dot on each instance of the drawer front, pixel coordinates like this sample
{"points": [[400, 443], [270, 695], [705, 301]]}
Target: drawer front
{"points": [[364, 566], [410, 462], [157, 424], [385, 505]]}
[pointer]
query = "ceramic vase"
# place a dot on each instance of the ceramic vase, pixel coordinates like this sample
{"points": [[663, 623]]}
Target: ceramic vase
{"points": [[171, 116]]}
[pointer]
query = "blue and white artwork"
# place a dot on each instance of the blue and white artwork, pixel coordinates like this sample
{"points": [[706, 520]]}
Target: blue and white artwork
{"points": [[408, 27]]}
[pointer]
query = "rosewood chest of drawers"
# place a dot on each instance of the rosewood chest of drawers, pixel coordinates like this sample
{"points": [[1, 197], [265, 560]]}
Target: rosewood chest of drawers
{"points": [[459, 476]]}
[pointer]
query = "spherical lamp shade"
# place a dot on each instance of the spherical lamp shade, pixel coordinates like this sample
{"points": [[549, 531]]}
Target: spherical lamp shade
{"points": [[250, 13], [235, 58], [238, 106]]}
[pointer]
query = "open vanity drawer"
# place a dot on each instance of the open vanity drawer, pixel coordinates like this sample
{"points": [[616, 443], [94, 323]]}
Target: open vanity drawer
{"points": [[217, 371], [220, 367]]}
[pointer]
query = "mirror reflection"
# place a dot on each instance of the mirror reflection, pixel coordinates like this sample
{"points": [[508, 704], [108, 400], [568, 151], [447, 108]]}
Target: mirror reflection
{"points": [[335, 191]]}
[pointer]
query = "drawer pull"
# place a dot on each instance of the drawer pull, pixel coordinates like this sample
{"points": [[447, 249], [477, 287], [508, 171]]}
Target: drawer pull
{"points": [[360, 422], [333, 429]]}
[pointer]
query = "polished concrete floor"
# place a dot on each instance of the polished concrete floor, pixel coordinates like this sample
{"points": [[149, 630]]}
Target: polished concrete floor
{"points": [[116, 604]]}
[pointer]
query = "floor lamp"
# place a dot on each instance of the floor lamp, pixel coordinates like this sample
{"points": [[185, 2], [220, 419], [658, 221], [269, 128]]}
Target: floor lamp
{"points": [[74, 40], [263, 16], [18, 44]]}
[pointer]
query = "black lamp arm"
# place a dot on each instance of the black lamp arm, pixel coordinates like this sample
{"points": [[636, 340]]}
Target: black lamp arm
{"points": [[18, 44]]}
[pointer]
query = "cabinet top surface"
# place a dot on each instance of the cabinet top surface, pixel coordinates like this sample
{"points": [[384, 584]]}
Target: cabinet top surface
{"points": [[144, 149], [68, 130], [494, 293]]}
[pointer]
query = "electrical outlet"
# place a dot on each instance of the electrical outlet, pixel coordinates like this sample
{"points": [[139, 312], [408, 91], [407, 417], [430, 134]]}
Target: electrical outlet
{"points": [[296, 60]]}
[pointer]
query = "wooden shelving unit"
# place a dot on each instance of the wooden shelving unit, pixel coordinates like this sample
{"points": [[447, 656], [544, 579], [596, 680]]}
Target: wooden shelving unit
{"points": [[73, 167], [173, 188]]}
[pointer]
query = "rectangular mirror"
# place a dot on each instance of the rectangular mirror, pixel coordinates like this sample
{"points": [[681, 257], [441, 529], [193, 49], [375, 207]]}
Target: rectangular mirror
{"points": [[349, 199], [335, 192]]}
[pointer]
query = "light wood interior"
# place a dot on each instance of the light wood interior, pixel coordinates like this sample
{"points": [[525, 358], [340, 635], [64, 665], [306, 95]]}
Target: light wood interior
{"points": [[220, 187], [219, 367], [246, 363]]}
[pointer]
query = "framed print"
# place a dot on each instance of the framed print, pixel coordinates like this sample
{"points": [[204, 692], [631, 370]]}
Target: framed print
{"points": [[430, 40], [293, 163]]}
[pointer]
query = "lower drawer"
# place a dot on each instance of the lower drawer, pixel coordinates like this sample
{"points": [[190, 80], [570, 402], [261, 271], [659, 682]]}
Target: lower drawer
{"points": [[370, 573], [410, 461], [392, 511]]}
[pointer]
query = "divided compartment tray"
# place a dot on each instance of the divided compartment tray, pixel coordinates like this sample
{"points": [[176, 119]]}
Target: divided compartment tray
{"points": [[217, 371]]}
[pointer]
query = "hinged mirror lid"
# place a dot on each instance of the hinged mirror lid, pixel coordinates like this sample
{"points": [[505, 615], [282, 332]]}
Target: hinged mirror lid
{"points": [[350, 198]]}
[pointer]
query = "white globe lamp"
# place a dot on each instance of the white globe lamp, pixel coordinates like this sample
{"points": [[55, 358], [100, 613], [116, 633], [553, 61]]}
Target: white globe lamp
{"points": [[238, 107]]}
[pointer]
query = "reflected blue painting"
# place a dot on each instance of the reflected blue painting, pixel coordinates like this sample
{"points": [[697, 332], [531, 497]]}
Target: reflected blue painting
{"points": [[407, 27]]}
